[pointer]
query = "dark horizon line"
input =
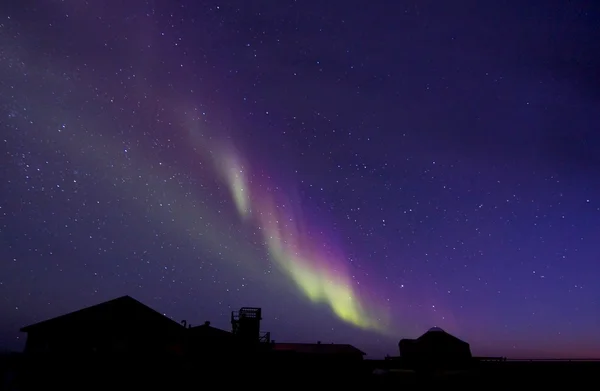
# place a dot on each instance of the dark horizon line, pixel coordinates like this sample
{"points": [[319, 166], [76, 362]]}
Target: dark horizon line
{"points": [[504, 358], [552, 359], [490, 358]]}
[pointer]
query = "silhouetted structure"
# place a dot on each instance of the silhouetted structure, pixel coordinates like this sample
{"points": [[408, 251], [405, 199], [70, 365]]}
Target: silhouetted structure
{"points": [[207, 341], [337, 352], [316, 360], [122, 325], [245, 325], [435, 348], [126, 344], [123, 344]]}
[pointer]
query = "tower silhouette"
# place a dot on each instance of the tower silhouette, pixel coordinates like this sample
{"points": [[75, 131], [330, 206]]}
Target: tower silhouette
{"points": [[245, 324]]}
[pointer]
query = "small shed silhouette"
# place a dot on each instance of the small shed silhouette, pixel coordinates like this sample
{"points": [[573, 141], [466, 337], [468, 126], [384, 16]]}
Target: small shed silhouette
{"points": [[316, 359], [338, 352], [206, 340], [435, 348], [121, 325]]}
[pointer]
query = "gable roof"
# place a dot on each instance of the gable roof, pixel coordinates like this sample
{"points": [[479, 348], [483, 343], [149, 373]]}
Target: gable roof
{"points": [[207, 330], [435, 328], [121, 305], [318, 348], [436, 333]]}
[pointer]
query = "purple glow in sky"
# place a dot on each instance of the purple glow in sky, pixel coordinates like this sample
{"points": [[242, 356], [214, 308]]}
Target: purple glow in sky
{"points": [[361, 173]]}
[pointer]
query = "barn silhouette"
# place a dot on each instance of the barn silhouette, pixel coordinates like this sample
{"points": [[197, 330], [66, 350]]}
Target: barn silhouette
{"points": [[435, 348]]}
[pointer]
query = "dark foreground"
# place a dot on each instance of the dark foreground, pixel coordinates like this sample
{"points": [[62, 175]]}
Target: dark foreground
{"points": [[115, 373], [502, 374]]}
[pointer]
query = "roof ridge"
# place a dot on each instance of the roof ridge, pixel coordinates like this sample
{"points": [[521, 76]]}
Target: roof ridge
{"points": [[124, 298]]}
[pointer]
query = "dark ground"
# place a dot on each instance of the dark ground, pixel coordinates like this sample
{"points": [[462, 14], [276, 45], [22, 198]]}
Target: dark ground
{"points": [[502, 374], [152, 372]]}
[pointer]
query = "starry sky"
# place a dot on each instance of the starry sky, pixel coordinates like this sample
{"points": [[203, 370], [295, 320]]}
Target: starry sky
{"points": [[362, 172]]}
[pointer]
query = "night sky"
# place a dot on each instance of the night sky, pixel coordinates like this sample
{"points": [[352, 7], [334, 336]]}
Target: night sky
{"points": [[362, 172]]}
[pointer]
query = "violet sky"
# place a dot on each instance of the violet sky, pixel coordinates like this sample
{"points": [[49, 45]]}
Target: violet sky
{"points": [[361, 170]]}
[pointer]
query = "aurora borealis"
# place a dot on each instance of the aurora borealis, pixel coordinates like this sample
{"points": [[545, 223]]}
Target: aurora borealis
{"points": [[361, 173], [317, 270]]}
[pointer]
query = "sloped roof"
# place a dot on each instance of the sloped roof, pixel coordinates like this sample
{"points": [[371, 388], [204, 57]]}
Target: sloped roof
{"points": [[317, 348], [437, 333], [435, 328], [121, 305], [208, 330]]}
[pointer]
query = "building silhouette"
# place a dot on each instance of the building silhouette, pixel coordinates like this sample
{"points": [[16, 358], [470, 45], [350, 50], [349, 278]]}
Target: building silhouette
{"points": [[206, 341], [122, 325], [126, 326], [245, 325], [435, 348], [124, 344], [321, 351]]}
